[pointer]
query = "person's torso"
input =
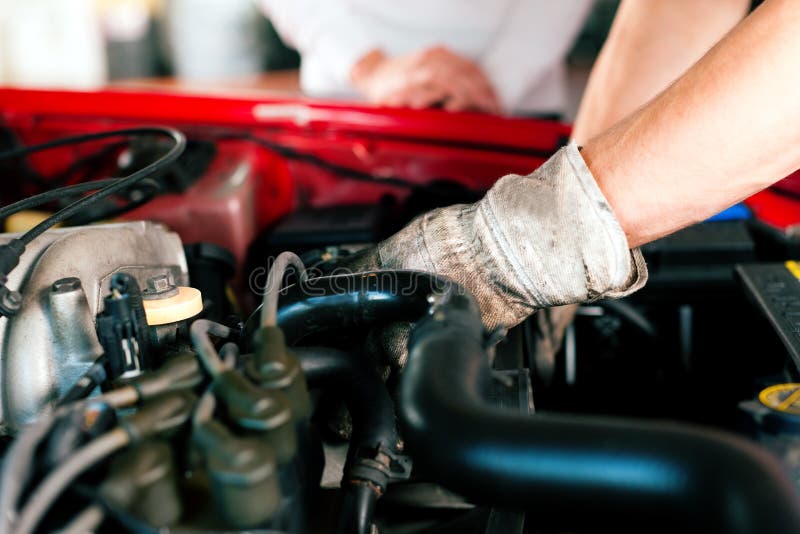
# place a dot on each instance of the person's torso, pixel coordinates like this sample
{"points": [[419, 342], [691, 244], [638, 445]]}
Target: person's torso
{"points": [[472, 28], [466, 26]]}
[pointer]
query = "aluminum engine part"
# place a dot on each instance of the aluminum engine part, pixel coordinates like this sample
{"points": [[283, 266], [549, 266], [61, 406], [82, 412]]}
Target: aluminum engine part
{"points": [[51, 342]]}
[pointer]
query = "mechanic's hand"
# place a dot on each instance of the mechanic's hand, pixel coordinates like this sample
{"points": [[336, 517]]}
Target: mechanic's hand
{"points": [[432, 77], [536, 241]]}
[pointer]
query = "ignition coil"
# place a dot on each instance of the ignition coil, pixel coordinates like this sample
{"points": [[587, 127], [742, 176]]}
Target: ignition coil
{"points": [[143, 481], [259, 411], [243, 471], [272, 366]]}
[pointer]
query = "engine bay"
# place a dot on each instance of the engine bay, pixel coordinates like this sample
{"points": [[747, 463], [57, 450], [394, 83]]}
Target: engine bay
{"points": [[183, 349]]}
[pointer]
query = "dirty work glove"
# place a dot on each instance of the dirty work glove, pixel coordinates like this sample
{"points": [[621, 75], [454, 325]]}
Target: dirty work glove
{"points": [[536, 241], [551, 325]]}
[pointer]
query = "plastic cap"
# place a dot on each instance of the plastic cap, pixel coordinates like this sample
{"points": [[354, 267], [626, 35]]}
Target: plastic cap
{"points": [[187, 303]]}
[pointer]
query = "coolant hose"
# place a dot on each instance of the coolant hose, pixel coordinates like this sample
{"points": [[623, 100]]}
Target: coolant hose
{"points": [[365, 394], [374, 428], [359, 506], [568, 470], [575, 471], [355, 302]]}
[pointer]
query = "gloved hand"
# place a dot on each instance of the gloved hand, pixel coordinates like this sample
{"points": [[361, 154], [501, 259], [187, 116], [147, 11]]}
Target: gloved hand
{"points": [[536, 241]]}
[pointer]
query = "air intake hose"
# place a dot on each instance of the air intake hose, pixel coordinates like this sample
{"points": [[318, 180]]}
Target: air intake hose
{"points": [[573, 471]]}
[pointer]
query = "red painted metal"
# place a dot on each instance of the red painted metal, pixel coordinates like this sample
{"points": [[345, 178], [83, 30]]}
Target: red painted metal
{"points": [[296, 113], [417, 145], [230, 206], [776, 209]]}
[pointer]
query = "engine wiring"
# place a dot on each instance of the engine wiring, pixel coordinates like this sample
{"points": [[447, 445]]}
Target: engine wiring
{"points": [[19, 460], [334, 168], [118, 185], [55, 483], [11, 252], [25, 510], [280, 149], [343, 171], [172, 384], [60, 192]]}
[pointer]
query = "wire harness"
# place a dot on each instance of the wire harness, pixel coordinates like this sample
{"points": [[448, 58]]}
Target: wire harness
{"points": [[10, 252]]}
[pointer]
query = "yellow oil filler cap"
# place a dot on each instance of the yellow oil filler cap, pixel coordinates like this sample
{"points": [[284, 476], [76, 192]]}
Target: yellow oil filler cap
{"points": [[182, 303]]}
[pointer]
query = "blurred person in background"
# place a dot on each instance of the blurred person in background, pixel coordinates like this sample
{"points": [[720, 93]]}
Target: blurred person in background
{"points": [[482, 55], [51, 43], [213, 40]]}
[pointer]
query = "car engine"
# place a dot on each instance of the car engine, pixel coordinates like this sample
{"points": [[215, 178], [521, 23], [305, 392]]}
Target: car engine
{"points": [[176, 359]]}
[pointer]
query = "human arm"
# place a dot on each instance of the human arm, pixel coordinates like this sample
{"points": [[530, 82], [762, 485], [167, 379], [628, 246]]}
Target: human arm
{"points": [[651, 43], [724, 130], [649, 46]]}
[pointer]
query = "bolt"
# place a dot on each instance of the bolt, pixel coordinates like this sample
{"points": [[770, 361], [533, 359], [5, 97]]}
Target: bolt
{"points": [[12, 300], [157, 284], [159, 287], [436, 301], [65, 285]]}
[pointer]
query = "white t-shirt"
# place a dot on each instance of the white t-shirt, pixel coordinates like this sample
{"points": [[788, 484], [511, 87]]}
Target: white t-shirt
{"points": [[520, 44]]}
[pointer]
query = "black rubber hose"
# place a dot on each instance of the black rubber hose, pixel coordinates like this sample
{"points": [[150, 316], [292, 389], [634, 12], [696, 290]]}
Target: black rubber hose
{"points": [[607, 472], [355, 301], [365, 394], [374, 426], [359, 505], [574, 471]]}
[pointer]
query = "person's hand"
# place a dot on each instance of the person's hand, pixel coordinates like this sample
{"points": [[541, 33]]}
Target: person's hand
{"points": [[432, 77], [533, 242]]}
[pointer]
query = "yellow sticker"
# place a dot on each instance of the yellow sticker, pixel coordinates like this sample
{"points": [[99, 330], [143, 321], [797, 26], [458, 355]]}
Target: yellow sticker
{"points": [[794, 268], [782, 397]]}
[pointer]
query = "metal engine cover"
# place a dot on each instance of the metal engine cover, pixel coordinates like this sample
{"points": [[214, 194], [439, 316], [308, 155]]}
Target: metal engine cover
{"points": [[52, 340]]}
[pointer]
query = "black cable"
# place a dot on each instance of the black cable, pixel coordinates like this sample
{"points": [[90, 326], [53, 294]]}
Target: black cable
{"points": [[365, 395], [60, 192], [86, 163], [339, 170], [51, 195], [335, 168], [122, 183], [112, 210], [10, 252], [85, 138], [93, 377], [784, 192]]}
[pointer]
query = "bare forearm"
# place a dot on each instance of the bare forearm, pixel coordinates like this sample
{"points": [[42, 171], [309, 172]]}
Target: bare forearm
{"points": [[651, 43], [725, 130]]}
